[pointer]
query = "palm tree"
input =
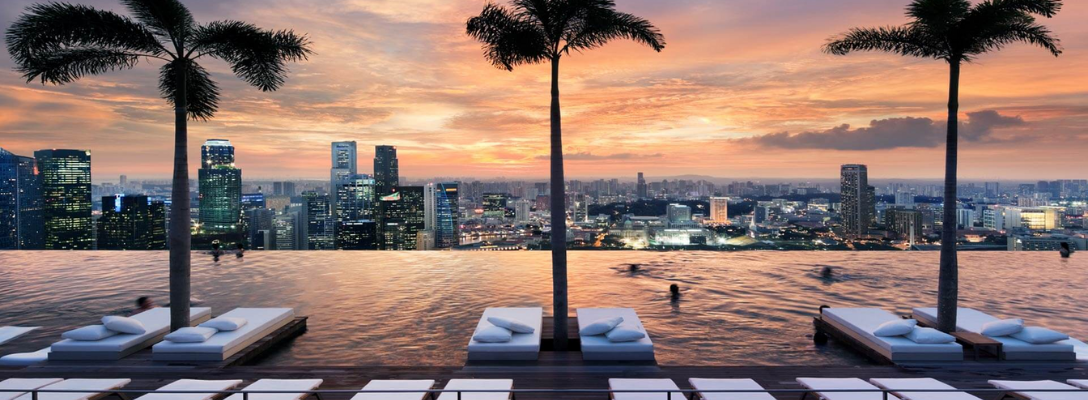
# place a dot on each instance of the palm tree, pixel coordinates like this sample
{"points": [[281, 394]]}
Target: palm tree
{"points": [[59, 43], [538, 31], [954, 31]]}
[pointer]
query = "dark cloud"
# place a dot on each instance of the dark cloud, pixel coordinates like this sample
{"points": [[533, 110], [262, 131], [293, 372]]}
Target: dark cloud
{"points": [[890, 133]]}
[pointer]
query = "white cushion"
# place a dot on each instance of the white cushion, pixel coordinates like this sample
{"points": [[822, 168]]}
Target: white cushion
{"points": [[191, 335], [513, 326], [493, 334], [88, 333], [123, 325], [224, 324], [922, 335], [624, 333], [1037, 335], [897, 327], [600, 327], [1004, 327]]}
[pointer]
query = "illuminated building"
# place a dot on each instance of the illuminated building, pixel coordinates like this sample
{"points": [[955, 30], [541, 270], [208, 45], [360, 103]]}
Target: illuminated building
{"points": [[446, 225], [357, 235], [20, 203], [855, 200], [386, 169], [495, 205], [220, 188], [132, 223], [719, 210], [66, 199], [319, 221], [400, 218]]}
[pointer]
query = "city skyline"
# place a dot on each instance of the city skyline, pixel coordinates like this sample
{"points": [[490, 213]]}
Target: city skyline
{"points": [[724, 100]]}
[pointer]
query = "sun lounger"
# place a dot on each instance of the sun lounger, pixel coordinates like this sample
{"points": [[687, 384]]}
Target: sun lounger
{"points": [[478, 384], [95, 389], [23, 384], [900, 388], [156, 321], [202, 389], [599, 348], [24, 359], [702, 385], [301, 385], [822, 387], [260, 322], [1081, 383], [1023, 390], [522, 346], [663, 385], [423, 386], [9, 333], [858, 324], [971, 320]]}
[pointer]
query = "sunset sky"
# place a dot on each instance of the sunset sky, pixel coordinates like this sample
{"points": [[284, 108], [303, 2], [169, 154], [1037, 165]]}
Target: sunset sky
{"points": [[741, 90]]}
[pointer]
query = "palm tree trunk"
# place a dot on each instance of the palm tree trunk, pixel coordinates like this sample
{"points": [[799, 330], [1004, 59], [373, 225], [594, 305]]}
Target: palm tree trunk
{"points": [[179, 208], [948, 285], [559, 220]]}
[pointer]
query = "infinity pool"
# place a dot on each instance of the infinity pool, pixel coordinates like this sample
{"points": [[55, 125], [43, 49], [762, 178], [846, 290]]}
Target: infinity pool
{"points": [[419, 308]]}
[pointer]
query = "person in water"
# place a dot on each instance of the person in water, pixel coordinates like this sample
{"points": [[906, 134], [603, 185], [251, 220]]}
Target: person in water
{"points": [[241, 250], [827, 272], [143, 303], [215, 250], [1065, 250], [674, 291]]}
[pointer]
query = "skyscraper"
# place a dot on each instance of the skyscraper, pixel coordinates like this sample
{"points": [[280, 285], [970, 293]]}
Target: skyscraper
{"points": [[447, 228], [319, 221], [20, 203], [220, 190], [522, 210], [132, 223], [855, 199], [345, 163], [993, 189], [640, 187], [719, 210], [355, 201], [386, 170], [66, 199], [400, 218], [290, 229], [495, 205], [357, 235]]}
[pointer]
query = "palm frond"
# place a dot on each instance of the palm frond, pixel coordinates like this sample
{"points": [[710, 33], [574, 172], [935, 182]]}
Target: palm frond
{"points": [[1044, 8], [905, 40], [508, 39], [257, 56], [993, 24], [1029, 32], [937, 15], [169, 19], [597, 26], [69, 64], [201, 93]]}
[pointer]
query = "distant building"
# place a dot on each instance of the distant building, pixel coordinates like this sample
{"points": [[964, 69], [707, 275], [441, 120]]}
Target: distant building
{"points": [[132, 223], [66, 197], [993, 189], [719, 210], [220, 188], [290, 230], [345, 166], [904, 222], [400, 218], [357, 235], [356, 199], [640, 187], [522, 210], [904, 199], [677, 215], [495, 205], [21, 222], [386, 169], [855, 200], [1046, 242], [260, 228], [447, 228], [425, 240], [319, 221]]}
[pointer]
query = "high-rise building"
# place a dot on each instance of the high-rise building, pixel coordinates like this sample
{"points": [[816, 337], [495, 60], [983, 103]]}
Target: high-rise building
{"points": [[290, 228], [904, 222], [495, 205], [386, 169], [20, 203], [855, 200], [356, 199], [400, 218], [904, 199], [66, 199], [719, 210], [446, 225], [220, 190], [640, 187], [993, 189], [319, 221], [260, 223], [522, 210], [345, 164], [132, 223], [357, 235], [678, 215]]}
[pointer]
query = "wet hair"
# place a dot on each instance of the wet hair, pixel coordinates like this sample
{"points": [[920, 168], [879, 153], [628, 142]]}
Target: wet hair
{"points": [[143, 301], [675, 290], [1065, 245]]}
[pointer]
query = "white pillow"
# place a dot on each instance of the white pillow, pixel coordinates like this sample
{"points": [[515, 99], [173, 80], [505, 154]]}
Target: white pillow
{"points": [[191, 335], [1003, 327], [493, 334], [624, 333], [123, 325], [224, 324], [1037, 335], [897, 327], [600, 327], [513, 326], [88, 333], [922, 335]]}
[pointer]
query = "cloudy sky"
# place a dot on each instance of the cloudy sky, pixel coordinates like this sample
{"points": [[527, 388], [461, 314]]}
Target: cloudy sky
{"points": [[741, 90]]}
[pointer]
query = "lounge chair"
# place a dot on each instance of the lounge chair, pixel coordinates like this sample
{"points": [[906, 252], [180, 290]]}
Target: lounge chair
{"points": [[1023, 390], [599, 348], [9, 333], [423, 386], [900, 387], [663, 385], [23, 384], [971, 320], [1081, 383], [702, 385], [24, 359], [201, 389], [823, 387], [260, 322], [156, 321], [301, 385], [478, 384], [95, 389], [522, 346], [858, 325]]}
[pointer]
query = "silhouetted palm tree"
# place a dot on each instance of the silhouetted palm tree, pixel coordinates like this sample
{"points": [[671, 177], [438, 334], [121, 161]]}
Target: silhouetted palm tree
{"points": [[539, 31], [59, 43], [954, 31]]}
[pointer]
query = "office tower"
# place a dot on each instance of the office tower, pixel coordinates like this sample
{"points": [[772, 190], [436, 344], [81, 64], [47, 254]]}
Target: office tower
{"points": [[356, 199], [124, 181], [252, 200], [522, 210], [447, 228], [220, 190], [640, 187], [760, 214], [494, 205], [357, 235], [993, 189], [345, 164], [65, 177], [260, 228], [855, 200], [319, 221], [400, 218], [425, 240], [290, 228], [132, 223], [579, 208], [429, 204], [277, 188], [904, 222], [677, 215], [719, 210], [870, 199], [904, 199], [386, 171], [20, 203], [965, 218]]}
